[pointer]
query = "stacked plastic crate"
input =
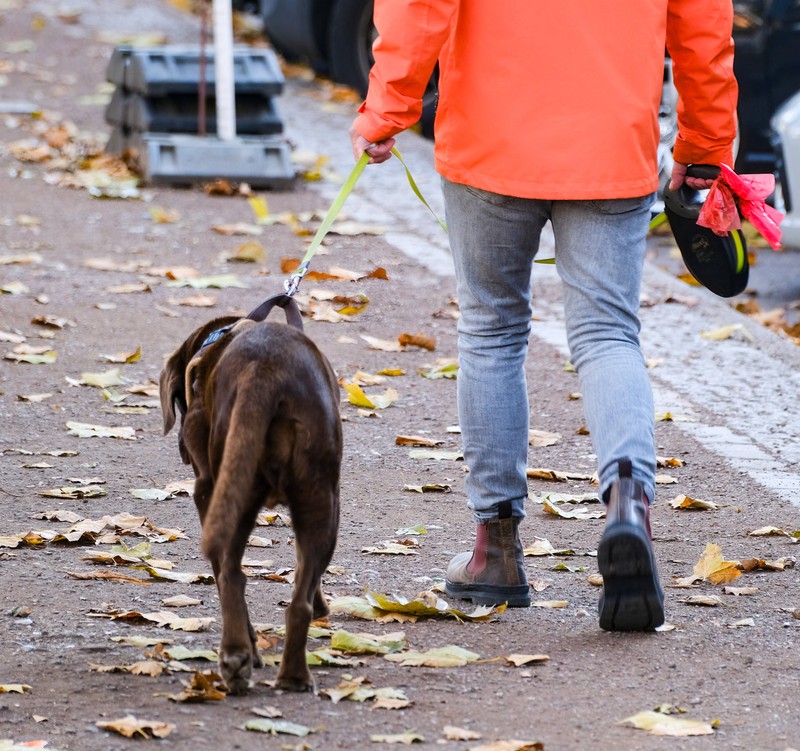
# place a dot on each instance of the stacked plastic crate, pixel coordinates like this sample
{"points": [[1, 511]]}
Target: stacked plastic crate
{"points": [[156, 110]]}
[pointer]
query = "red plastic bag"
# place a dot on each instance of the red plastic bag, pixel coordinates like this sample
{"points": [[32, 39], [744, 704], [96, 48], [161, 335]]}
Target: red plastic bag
{"points": [[731, 194]]}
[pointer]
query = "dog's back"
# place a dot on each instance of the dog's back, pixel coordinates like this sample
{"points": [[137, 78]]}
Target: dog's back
{"points": [[279, 396]]}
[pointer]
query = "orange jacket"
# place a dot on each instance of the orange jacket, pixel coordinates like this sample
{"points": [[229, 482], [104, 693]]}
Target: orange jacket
{"points": [[555, 99]]}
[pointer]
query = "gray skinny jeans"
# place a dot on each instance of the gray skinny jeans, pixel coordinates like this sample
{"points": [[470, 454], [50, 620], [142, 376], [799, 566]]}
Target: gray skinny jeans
{"points": [[600, 247]]}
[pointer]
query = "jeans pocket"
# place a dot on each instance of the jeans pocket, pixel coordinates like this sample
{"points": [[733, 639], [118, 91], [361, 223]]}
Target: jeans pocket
{"points": [[622, 205], [493, 199]]}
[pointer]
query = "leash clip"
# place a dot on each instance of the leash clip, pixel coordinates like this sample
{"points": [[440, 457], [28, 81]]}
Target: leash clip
{"points": [[291, 284]]}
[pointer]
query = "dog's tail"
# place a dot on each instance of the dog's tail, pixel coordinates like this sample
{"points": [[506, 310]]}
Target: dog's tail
{"points": [[241, 443]]}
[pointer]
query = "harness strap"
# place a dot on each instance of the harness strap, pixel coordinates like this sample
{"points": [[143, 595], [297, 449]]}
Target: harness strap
{"points": [[290, 308], [287, 302]]}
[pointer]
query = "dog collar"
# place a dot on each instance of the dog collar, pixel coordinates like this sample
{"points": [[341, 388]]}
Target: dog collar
{"points": [[215, 335]]}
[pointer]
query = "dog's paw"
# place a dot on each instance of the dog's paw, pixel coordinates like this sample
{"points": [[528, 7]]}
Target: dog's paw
{"points": [[236, 669], [298, 685]]}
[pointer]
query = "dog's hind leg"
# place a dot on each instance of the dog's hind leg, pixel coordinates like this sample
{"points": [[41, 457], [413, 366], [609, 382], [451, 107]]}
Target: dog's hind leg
{"points": [[314, 544], [237, 654]]}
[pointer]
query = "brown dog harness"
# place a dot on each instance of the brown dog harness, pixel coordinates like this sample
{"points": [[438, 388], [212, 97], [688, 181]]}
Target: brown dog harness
{"points": [[293, 318], [290, 308]]}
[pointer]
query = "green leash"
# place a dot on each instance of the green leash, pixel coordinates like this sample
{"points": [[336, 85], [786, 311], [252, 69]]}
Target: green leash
{"points": [[293, 282]]}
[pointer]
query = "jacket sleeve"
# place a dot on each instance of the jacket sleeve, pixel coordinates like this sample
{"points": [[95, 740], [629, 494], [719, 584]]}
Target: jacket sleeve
{"points": [[701, 47], [411, 34]]}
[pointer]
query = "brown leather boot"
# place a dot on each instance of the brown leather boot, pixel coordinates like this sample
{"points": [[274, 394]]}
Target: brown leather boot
{"points": [[632, 598], [493, 573]]}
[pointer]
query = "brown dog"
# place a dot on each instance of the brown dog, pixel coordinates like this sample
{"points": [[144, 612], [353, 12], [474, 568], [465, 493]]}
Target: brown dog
{"points": [[260, 427]]}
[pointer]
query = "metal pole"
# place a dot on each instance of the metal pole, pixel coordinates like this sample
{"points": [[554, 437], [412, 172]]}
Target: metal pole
{"points": [[223, 64]]}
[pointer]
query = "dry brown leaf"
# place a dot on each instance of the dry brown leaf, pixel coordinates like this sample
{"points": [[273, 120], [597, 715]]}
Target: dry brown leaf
{"points": [[416, 440], [541, 438], [108, 575], [417, 340], [130, 727], [452, 733], [739, 591], [519, 660], [510, 745], [685, 502]]}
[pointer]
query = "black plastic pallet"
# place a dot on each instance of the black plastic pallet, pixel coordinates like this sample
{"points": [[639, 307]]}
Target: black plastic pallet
{"points": [[175, 69], [255, 115]]}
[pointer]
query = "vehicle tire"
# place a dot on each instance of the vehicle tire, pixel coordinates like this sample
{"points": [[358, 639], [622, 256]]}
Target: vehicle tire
{"points": [[351, 34]]}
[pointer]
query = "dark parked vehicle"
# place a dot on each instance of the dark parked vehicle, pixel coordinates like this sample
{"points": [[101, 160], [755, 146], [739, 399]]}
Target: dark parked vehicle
{"points": [[336, 36]]}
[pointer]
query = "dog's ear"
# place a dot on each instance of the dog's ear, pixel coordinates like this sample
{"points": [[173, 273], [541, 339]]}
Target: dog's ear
{"points": [[172, 383]]}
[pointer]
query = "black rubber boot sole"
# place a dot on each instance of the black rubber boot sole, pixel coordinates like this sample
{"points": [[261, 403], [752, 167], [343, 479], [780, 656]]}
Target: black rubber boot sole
{"points": [[516, 596], [632, 598]]}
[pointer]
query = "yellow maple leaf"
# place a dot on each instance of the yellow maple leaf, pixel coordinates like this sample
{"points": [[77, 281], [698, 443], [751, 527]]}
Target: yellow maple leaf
{"points": [[714, 568]]}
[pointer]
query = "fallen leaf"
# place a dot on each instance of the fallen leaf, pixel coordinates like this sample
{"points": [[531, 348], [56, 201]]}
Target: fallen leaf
{"points": [[684, 502], [452, 733], [52, 321], [391, 548], [344, 641], [657, 723], [175, 576], [664, 461], [33, 398], [14, 688], [107, 575], [417, 340], [519, 660], [48, 358], [85, 430], [357, 397], [739, 591], [665, 480], [238, 228], [130, 289], [130, 726], [88, 491], [445, 368], [180, 601], [439, 657], [124, 357], [580, 512], [543, 547], [710, 601], [150, 494], [416, 440], [219, 281], [511, 745], [383, 345], [552, 604], [556, 475], [275, 727], [102, 380], [726, 332], [542, 438], [437, 454], [349, 228], [405, 738], [712, 567], [197, 301], [433, 488], [769, 532], [202, 686], [250, 252]]}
